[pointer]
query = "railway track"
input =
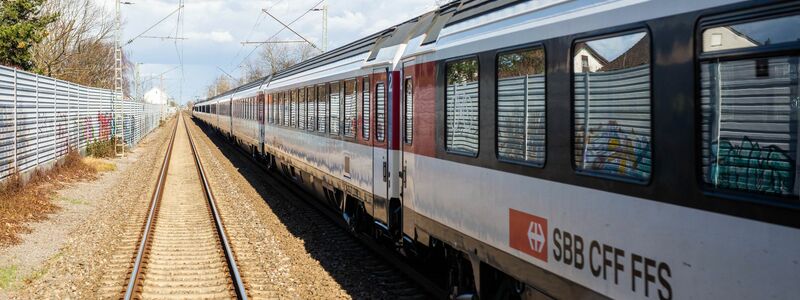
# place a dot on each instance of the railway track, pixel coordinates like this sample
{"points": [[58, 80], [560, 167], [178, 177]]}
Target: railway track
{"points": [[183, 250], [388, 269]]}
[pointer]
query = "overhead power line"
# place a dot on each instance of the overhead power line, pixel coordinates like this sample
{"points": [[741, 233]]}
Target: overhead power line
{"points": [[276, 34], [273, 42], [154, 25], [292, 30]]}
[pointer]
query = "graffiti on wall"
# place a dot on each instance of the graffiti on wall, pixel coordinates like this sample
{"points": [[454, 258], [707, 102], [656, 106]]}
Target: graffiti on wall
{"points": [[746, 165], [105, 125], [615, 150]]}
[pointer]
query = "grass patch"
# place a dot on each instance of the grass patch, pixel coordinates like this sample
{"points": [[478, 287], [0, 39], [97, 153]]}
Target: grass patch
{"points": [[7, 276], [74, 201], [21, 203], [99, 165], [102, 149]]}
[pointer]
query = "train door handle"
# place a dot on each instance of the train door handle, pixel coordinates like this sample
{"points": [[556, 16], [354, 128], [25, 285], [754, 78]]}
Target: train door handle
{"points": [[402, 174], [385, 172]]}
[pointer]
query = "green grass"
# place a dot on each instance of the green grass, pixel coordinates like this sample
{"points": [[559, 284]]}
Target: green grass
{"points": [[74, 201], [7, 276]]}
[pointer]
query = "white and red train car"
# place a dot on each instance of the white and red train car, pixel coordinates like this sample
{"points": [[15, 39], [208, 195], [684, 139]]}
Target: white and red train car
{"points": [[563, 149]]}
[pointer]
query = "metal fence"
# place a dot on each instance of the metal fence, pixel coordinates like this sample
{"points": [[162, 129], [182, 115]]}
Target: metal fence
{"points": [[42, 118], [750, 124], [612, 122]]}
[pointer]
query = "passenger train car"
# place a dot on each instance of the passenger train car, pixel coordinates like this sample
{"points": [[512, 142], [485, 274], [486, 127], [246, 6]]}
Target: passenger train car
{"points": [[555, 149]]}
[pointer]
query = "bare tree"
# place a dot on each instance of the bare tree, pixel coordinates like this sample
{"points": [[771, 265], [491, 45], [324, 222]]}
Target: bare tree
{"points": [[278, 57], [273, 58], [220, 85], [80, 47]]}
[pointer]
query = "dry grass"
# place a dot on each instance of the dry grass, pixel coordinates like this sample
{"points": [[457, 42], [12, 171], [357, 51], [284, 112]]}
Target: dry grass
{"points": [[30, 202], [100, 165]]}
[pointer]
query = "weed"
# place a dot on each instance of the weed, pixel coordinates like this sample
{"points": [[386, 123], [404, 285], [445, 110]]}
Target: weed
{"points": [[7, 276], [101, 149], [73, 201], [23, 202], [99, 165]]}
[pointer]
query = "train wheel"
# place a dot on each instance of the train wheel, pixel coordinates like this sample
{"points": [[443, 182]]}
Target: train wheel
{"points": [[460, 281]]}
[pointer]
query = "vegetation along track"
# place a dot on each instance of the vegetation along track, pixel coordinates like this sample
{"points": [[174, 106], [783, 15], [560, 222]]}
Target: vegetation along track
{"points": [[387, 270], [183, 249]]}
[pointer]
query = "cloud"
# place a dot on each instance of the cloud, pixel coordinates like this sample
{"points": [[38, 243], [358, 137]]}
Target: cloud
{"points": [[215, 28], [214, 36]]}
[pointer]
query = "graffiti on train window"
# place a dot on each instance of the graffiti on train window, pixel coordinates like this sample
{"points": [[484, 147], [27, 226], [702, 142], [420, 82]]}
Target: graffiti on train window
{"points": [[749, 130], [612, 106], [350, 108], [462, 107], [521, 106]]}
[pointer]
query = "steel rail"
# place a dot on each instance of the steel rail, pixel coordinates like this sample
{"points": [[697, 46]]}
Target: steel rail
{"points": [[154, 202], [289, 190], [238, 284]]}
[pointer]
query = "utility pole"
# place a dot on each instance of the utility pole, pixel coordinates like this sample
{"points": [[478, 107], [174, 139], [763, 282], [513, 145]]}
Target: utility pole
{"points": [[325, 27], [138, 80], [324, 10], [118, 106]]}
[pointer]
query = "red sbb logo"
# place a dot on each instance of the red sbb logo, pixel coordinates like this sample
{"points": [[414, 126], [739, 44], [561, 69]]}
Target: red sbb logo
{"points": [[528, 233]]}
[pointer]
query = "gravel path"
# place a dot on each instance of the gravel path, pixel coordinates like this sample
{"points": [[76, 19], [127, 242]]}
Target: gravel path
{"points": [[65, 256], [278, 248]]}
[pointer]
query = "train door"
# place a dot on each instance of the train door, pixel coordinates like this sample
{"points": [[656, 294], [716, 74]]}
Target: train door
{"points": [[406, 140], [380, 149], [260, 116]]}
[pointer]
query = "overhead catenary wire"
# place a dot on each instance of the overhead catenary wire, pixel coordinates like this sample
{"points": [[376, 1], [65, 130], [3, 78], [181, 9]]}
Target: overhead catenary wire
{"points": [[292, 30], [154, 25], [276, 34]]}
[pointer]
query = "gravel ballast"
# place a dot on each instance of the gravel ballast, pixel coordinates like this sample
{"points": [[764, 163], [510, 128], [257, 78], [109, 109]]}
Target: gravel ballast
{"points": [[67, 255]]}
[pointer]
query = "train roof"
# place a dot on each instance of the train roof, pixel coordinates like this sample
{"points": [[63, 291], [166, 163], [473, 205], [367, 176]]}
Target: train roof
{"points": [[420, 34]]}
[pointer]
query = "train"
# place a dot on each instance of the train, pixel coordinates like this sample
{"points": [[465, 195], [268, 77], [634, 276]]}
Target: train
{"points": [[554, 149]]}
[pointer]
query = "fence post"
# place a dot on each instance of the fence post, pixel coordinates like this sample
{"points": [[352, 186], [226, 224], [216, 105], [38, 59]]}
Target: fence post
{"points": [[16, 166], [69, 119], [36, 76], [525, 121], [586, 118]]}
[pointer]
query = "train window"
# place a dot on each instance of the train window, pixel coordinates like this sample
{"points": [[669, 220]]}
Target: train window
{"points": [[271, 114], [611, 104], [461, 107], [312, 108], [334, 108], [521, 106], [278, 109], [752, 34], [295, 106], [287, 109], [380, 111], [301, 98], [365, 110], [750, 107], [350, 108], [408, 111], [322, 108]]}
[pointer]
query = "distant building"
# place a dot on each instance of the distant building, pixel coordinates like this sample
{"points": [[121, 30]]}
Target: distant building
{"points": [[637, 55], [156, 96], [587, 59], [724, 38]]}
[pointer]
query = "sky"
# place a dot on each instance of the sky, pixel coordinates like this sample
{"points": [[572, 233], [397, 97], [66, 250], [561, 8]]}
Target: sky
{"points": [[215, 29]]}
